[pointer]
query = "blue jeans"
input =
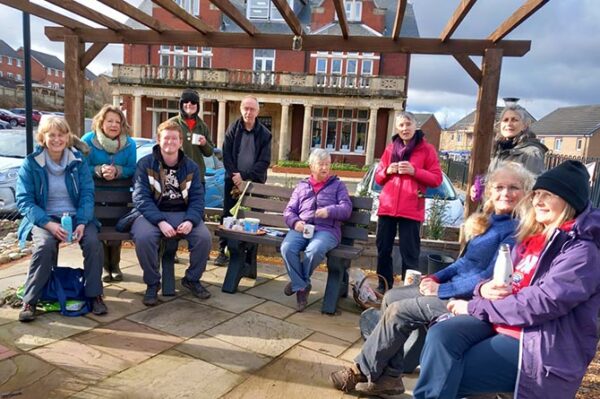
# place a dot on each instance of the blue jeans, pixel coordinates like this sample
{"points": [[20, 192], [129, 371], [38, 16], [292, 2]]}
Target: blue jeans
{"points": [[464, 356], [315, 250], [403, 310]]}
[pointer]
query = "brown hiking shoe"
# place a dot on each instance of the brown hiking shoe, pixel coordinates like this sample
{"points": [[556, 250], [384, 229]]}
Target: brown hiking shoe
{"points": [[346, 379], [385, 385]]}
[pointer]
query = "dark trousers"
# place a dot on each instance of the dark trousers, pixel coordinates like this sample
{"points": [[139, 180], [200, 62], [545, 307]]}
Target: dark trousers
{"points": [[410, 245], [112, 255], [463, 356]]}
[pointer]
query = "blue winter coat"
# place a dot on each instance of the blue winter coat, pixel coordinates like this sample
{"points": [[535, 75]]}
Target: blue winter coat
{"points": [[558, 312], [304, 202], [148, 186], [32, 191], [460, 278], [124, 159]]}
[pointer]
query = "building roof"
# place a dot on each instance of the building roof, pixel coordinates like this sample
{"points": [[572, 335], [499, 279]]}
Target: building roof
{"points": [[423, 118], [569, 121], [409, 24], [8, 51], [468, 121], [301, 9], [48, 60]]}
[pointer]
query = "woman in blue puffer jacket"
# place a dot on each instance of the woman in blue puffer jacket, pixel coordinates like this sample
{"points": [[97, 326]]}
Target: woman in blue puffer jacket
{"points": [[322, 201]]}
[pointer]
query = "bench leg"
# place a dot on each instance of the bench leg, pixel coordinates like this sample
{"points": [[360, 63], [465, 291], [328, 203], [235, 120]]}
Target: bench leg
{"points": [[169, 249], [250, 270], [236, 266], [336, 269]]}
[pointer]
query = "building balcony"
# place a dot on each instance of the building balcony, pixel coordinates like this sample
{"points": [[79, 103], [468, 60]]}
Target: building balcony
{"points": [[259, 81]]}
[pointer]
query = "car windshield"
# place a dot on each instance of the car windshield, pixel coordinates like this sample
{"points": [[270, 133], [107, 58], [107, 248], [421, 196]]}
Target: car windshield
{"points": [[443, 191], [12, 144]]}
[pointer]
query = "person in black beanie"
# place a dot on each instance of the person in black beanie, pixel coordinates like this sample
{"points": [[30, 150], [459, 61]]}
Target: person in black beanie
{"points": [[570, 180]]}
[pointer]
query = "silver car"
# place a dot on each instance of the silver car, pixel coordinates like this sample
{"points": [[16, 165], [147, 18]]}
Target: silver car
{"points": [[13, 150], [454, 203]]}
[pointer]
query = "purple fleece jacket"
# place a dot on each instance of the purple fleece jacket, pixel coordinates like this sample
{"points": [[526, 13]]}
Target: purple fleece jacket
{"points": [[304, 202], [558, 312]]}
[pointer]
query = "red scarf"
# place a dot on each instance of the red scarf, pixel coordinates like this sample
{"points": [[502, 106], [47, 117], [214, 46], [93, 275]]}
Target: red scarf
{"points": [[191, 123], [316, 185]]}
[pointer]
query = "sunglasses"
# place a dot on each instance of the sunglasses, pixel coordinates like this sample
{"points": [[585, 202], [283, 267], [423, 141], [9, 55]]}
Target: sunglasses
{"points": [[190, 102]]}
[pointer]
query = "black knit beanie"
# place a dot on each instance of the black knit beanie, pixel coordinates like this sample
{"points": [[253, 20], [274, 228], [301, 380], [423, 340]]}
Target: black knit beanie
{"points": [[570, 180], [186, 96]]}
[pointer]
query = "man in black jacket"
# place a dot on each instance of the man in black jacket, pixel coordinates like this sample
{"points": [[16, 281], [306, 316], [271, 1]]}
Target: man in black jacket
{"points": [[246, 156]]}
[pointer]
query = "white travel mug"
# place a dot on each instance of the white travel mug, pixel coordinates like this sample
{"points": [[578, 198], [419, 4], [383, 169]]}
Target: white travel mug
{"points": [[309, 231]]}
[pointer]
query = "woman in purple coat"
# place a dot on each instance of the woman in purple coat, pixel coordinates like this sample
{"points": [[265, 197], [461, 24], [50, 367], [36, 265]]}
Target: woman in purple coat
{"points": [[536, 337], [320, 201]]}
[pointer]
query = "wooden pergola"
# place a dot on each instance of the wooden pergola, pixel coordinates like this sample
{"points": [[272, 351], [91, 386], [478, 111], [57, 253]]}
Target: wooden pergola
{"points": [[492, 49]]}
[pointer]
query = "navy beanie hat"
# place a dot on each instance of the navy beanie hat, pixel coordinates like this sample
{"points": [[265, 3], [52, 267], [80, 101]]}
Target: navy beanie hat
{"points": [[570, 180], [187, 96]]}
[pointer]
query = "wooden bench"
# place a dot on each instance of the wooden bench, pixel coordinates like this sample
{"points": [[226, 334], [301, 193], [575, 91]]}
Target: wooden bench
{"points": [[112, 200], [267, 203]]}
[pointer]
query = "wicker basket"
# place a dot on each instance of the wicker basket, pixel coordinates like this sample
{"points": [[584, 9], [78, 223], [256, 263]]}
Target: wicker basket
{"points": [[369, 279]]}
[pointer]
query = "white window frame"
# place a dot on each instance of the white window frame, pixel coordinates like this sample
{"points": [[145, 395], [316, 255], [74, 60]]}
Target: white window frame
{"points": [[191, 6], [9, 75], [19, 78], [18, 63], [263, 76], [268, 10], [557, 143], [579, 144], [353, 9], [9, 60], [1, 74], [351, 74]]}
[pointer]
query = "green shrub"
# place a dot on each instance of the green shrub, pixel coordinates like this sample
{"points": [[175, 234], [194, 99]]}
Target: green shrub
{"points": [[334, 166]]}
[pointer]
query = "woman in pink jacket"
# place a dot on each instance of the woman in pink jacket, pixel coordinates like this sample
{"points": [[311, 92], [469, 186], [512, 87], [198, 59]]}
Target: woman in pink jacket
{"points": [[408, 166]]}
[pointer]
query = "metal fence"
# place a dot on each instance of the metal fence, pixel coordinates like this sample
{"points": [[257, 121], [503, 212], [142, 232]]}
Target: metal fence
{"points": [[458, 171]]}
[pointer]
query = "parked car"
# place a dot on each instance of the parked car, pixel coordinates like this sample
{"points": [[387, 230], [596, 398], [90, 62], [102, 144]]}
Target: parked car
{"points": [[14, 119], [4, 125], [13, 149], [454, 213], [214, 175], [35, 114]]}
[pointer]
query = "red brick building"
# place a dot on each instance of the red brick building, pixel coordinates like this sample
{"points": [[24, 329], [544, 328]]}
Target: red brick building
{"points": [[344, 102]]}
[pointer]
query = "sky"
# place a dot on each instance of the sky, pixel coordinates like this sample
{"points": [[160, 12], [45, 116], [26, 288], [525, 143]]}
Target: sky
{"points": [[561, 69]]}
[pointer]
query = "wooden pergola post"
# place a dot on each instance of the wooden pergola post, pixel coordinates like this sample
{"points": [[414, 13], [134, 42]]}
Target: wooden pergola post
{"points": [[484, 120], [74, 83]]}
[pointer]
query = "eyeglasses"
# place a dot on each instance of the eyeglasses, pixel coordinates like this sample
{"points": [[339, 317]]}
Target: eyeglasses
{"points": [[510, 189]]}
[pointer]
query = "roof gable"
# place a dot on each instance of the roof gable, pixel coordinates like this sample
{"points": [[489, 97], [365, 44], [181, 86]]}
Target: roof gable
{"points": [[8, 51], [48, 60], [468, 121], [569, 121]]}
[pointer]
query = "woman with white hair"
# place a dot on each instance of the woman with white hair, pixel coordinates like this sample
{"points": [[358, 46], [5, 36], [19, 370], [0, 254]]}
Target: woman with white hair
{"points": [[320, 201]]}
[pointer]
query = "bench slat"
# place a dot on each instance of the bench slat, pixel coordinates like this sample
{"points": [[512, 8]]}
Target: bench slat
{"points": [[265, 204], [110, 212], [266, 219], [109, 233], [102, 184], [359, 217], [355, 233], [102, 196], [365, 203], [267, 190]]}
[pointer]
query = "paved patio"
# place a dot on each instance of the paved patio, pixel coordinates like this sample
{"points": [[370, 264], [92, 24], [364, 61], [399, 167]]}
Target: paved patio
{"points": [[249, 345]]}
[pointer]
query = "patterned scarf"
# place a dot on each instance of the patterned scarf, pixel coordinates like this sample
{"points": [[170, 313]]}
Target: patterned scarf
{"points": [[112, 146]]}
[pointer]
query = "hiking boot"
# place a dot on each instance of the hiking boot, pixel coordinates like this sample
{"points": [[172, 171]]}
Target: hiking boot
{"points": [[346, 379], [151, 295], [195, 288], [27, 313], [287, 290], [302, 299], [385, 385], [221, 260], [98, 306]]}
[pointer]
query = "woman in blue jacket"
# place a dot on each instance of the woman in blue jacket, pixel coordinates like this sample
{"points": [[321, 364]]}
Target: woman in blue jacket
{"points": [[54, 180], [379, 365], [536, 336], [112, 156]]}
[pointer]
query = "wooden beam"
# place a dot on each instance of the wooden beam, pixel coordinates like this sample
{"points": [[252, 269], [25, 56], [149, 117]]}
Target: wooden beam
{"points": [[88, 13], [511, 48], [469, 66], [400, 11], [183, 15], [240, 19], [91, 53], [44, 13], [518, 17], [74, 83], [342, 20], [133, 13], [290, 18], [459, 14], [483, 131]]}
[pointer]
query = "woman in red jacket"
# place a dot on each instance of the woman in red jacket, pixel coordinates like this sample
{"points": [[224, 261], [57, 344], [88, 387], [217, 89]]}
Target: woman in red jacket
{"points": [[408, 166]]}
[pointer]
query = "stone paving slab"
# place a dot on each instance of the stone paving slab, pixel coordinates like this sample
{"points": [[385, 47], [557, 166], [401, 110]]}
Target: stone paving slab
{"points": [[12, 281], [120, 303], [5, 352], [216, 277], [181, 317], [169, 375], [301, 373], [234, 303], [84, 361], [325, 344], [44, 330], [223, 354], [30, 377], [273, 291], [343, 326], [128, 341], [260, 333], [274, 309], [8, 314]]}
